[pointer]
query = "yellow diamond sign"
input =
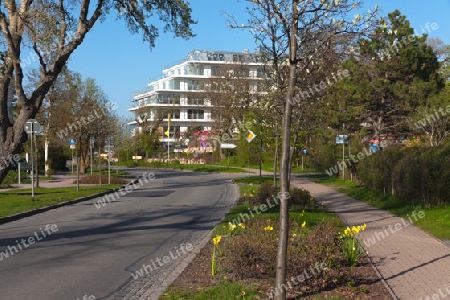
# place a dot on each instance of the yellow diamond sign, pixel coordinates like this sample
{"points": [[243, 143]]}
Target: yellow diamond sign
{"points": [[249, 135]]}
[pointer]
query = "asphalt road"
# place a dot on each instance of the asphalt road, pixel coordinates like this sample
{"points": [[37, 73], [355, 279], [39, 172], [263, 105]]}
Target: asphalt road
{"points": [[94, 252]]}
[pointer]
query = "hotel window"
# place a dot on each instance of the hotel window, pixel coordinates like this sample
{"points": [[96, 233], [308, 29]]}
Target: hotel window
{"points": [[174, 115], [168, 99], [196, 100], [195, 85], [214, 71], [194, 114]]}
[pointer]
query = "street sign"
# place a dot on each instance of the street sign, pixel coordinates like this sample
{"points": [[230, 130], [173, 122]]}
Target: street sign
{"points": [[305, 151], [342, 139], [73, 141], [72, 146], [228, 146], [203, 138], [203, 144], [91, 142], [32, 126], [109, 148], [249, 135]]}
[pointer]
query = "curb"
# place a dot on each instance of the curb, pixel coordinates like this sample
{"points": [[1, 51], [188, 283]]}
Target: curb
{"points": [[36, 211], [189, 258]]}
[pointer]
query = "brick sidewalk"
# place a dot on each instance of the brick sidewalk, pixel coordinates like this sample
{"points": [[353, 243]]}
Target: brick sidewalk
{"points": [[414, 264]]}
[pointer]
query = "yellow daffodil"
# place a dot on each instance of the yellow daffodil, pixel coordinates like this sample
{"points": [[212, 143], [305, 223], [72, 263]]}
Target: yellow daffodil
{"points": [[268, 228], [245, 194], [241, 225], [304, 224], [251, 195], [217, 239]]}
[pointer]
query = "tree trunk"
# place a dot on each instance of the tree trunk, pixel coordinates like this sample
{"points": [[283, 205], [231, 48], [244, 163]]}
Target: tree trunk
{"points": [[275, 160], [280, 281], [47, 162]]}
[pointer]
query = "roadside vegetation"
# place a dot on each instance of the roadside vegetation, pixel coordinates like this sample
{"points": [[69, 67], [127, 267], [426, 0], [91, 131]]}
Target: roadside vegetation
{"points": [[436, 220], [16, 201], [175, 164], [239, 261]]}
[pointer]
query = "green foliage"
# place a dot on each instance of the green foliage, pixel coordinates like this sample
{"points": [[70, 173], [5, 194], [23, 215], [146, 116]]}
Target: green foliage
{"points": [[416, 175], [12, 177], [394, 73], [15, 201], [224, 290], [254, 179], [437, 220], [57, 159], [301, 197], [351, 249]]}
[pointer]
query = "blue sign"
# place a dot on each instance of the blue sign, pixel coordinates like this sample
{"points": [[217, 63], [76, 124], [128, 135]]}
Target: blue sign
{"points": [[373, 147], [73, 141], [305, 151], [203, 144]]}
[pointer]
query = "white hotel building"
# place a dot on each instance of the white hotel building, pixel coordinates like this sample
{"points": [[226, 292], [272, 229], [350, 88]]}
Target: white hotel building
{"points": [[181, 91]]}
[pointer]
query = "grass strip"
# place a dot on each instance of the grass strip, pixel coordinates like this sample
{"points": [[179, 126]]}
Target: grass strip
{"points": [[17, 201], [436, 220]]}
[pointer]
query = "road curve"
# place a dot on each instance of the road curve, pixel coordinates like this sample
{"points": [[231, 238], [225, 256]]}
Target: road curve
{"points": [[125, 247]]}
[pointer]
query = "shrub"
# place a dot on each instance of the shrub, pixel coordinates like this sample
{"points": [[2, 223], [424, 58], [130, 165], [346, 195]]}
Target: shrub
{"points": [[12, 177], [266, 191], [418, 175], [301, 197]]}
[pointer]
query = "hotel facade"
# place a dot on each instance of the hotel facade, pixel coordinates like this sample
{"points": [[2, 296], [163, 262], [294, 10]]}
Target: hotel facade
{"points": [[182, 93]]}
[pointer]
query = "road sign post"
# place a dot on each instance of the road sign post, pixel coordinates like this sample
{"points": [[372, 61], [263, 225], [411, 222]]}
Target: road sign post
{"points": [[109, 149], [32, 126], [228, 146], [73, 143]]}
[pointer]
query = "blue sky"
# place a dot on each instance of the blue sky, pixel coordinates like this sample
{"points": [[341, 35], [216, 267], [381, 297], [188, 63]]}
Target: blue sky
{"points": [[122, 64]]}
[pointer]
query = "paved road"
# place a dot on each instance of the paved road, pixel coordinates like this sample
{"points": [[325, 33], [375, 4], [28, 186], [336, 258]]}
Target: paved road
{"points": [[94, 252]]}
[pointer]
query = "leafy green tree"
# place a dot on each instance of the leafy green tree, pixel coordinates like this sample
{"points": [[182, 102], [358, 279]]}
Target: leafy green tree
{"points": [[394, 72], [51, 31], [55, 113], [433, 118]]}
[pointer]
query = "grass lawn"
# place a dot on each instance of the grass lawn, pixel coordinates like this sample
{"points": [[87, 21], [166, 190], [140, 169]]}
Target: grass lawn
{"points": [[16, 201], [266, 166], [256, 179], [436, 220], [223, 291]]}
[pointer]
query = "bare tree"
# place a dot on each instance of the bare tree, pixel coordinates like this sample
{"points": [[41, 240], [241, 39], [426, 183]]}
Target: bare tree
{"points": [[296, 35], [52, 30]]}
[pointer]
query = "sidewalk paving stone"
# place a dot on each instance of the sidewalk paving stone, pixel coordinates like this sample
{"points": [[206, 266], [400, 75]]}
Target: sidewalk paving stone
{"points": [[414, 264]]}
